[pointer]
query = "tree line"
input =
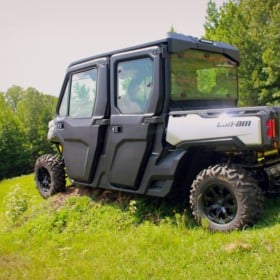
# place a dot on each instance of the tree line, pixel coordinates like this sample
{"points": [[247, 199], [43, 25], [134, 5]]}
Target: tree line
{"points": [[24, 117], [253, 26]]}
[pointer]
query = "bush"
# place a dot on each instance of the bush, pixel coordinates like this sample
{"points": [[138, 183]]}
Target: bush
{"points": [[15, 204]]}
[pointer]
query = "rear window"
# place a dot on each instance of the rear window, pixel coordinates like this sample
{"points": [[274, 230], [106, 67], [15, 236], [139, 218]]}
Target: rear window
{"points": [[200, 78]]}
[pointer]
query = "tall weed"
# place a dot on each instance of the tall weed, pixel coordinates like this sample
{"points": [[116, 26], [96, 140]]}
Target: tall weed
{"points": [[16, 204]]}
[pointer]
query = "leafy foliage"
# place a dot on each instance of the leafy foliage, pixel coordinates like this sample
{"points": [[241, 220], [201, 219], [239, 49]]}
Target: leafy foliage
{"points": [[14, 146], [24, 117], [35, 110], [15, 204], [253, 27]]}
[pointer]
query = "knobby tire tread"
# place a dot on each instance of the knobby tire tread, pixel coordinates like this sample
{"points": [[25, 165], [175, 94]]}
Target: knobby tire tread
{"points": [[245, 188], [56, 170]]}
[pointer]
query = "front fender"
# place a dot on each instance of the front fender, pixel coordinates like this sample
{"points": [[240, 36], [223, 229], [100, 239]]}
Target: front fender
{"points": [[53, 135]]}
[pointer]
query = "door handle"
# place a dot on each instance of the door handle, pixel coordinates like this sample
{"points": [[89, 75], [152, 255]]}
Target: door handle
{"points": [[153, 120], [101, 122], [117, 129], [60, 125]]}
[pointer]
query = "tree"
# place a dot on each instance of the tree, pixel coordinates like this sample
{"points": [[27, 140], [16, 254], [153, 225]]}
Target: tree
{"points": [[212, 18], [24, 117], [35, 110], [14, 150], [253, 27], [270, 83], [172, 28], [13, 96]]}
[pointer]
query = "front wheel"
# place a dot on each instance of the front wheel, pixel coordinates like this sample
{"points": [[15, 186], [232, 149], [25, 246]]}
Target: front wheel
{"points": [[49, 175], [225, 198]]}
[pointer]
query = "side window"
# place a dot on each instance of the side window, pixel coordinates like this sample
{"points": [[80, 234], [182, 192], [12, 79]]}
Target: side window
{"points": [[134, 85], [83, 94], [64, 103]]}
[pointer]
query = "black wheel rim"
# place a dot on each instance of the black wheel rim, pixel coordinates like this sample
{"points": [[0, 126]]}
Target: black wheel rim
{"points": [[219, 204], [44, 179]]}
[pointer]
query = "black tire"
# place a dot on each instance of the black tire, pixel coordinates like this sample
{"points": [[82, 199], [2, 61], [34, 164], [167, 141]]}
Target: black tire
{"points": [[49, 175], [224, 198]]}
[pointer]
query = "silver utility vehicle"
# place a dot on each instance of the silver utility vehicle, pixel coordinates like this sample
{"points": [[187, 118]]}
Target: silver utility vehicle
{"points": [[162, 118]]}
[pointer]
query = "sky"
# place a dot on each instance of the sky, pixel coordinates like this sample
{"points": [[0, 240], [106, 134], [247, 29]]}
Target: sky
{"points": [[39, 38]]}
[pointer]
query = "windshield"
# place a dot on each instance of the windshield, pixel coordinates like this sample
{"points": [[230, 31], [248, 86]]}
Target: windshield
{"points": [[202, 79]]}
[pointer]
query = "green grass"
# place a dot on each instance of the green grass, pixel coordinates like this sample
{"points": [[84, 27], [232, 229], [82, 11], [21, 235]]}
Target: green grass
{"points": [[138, 239]]}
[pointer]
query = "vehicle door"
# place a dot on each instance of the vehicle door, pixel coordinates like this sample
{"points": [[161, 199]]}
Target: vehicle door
{"points": [[82, 118], [135, 111]]}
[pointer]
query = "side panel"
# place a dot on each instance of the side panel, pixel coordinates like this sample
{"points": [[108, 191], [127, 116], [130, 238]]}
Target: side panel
{"points": [[193, 127], [81, 126], [81, 148], [132, 132], [128, 151]]}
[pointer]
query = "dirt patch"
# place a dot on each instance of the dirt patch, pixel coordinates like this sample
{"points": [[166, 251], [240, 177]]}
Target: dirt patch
{"points": [[97, 195], [237, 246]]}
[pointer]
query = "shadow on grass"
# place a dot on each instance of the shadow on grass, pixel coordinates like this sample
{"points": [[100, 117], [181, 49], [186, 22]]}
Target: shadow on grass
{"points": [[142, 208], [271, 212], [157, 210]]}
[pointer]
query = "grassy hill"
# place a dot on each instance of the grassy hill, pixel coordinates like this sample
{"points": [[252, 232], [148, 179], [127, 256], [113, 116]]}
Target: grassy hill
{"points": [[94, 235]]}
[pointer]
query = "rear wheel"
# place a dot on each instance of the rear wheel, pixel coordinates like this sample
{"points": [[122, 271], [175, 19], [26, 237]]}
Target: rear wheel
{"points": [[225, 198], [49, 175]]}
